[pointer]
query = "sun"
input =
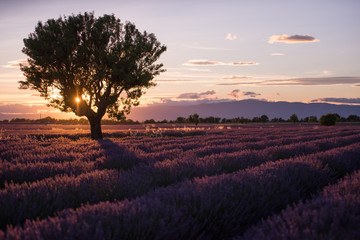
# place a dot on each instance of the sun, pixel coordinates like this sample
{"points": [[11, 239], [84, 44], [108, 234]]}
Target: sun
{"points": [[77, 99]]}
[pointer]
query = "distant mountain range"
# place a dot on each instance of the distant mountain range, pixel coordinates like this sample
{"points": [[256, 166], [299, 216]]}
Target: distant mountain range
{"points": [[245, 108]]}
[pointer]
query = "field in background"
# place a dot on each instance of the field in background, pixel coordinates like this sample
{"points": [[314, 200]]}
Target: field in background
{"points": [[179, 182], [25, 129]]}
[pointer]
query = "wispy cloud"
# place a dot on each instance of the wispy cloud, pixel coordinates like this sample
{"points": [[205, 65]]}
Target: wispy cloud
{"points": [[250, 94], [239, 83], [277, 54], [15, 63], [236, 77], [175, 80], [194, 95], [217, 63], [326, 73], [236, 93], [203, 63], [315, 81], [338, 100], [231, 37], [242, 63], [292, 38], [301, 82]]}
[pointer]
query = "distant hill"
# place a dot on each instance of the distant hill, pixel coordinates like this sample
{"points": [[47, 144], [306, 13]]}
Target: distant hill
{"points": [[245, 108]]}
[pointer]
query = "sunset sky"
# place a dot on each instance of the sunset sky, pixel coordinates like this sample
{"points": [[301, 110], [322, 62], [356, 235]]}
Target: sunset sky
{"points": [[296, 51]]}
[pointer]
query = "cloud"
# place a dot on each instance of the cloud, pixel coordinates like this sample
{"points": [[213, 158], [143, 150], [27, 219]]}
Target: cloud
{"points": [[318, 81], [292, 39], [315, 81], [338, 100], [192, 95], [15, 63], [175, 80], [235, 77], [239, 83], [326, 73], [231, 37], [251, 94], [236, 93], [216, 63], [277, 54], [202, 63], [242, 63]]}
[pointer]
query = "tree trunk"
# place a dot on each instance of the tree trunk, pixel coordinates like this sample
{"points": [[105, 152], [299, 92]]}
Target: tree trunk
{"points": [[95, 125]]}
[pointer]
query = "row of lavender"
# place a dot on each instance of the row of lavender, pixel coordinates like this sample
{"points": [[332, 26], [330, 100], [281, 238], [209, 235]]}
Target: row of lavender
{"points": [[214, 207], [333, 214], [19, 202], [214, 153], [36, 160], [49, 150]]}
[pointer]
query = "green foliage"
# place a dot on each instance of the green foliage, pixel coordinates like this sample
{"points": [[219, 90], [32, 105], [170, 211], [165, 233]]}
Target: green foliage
{"points": [[90, 65], [328, 119]]}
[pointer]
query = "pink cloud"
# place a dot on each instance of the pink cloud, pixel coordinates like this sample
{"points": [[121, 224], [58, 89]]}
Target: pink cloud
{"points": [[235, 77], [231, 37], [236, 93], [217, 63], [15, 63], [194, 95], [292, 39]]}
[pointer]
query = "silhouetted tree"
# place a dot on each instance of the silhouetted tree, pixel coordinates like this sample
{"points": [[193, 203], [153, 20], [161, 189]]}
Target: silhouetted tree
{"points": [[91, 66], [294, 118], [193, 119], [180, 120], [255, 119], [353, 118], [277, 120], [328, 119], [149, 121], [264, 118], [313, 119]]}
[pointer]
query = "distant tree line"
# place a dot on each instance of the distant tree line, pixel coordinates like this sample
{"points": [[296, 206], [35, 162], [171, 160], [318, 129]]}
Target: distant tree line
{"points": [[328, 119], [67, 121], [195, 119]]}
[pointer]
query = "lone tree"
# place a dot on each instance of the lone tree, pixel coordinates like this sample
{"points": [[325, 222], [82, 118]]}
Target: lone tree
{"points": [[91, 66]]}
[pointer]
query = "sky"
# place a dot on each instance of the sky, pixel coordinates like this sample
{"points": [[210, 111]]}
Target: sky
{"points": [[295, 51]]}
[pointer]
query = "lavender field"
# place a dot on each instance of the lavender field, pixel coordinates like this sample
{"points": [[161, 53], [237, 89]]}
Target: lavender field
{"points": [[180, 182]]}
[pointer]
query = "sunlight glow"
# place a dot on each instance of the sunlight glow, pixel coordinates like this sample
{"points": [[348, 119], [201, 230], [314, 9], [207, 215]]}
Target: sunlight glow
{"points": [[77, 99]]}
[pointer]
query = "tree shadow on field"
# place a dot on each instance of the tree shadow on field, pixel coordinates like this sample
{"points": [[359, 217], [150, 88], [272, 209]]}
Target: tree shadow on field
{"points": [[116, 156]]}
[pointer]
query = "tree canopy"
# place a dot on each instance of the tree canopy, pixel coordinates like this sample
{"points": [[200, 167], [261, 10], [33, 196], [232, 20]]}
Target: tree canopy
{"points": [[91, 66]]}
